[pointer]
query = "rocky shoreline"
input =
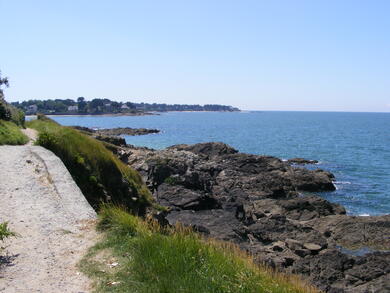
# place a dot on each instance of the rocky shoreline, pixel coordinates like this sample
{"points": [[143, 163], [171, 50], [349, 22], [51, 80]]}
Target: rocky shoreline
{"points": [[112, 135], [267, 207]]}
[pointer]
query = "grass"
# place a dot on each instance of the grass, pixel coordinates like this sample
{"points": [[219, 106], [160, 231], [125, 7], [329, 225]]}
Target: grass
{"points": [[140, 256], [5, 232], [101, 176], [11, 134]]}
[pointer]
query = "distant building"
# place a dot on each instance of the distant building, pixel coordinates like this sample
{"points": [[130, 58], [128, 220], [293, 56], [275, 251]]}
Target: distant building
{"points": [[124, 107], [73, 108], [32, 109]]}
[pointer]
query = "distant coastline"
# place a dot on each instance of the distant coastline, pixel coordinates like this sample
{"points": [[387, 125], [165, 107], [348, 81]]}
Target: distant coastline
{"points": [[129, 114], [109, 107], [100, 114]]}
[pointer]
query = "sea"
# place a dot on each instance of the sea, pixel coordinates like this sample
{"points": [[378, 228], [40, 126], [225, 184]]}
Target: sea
{"points": [[353, 146]]}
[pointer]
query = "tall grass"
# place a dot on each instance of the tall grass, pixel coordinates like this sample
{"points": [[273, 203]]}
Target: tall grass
{"points": [[101, 176], [156, 259], [11, 134]]}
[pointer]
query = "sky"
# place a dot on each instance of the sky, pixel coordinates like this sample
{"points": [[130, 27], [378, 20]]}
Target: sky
{"points": [[255, 55]]}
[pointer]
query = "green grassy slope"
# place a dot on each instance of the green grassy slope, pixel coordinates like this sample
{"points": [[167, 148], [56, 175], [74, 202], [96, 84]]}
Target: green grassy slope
{"points": [[149, 258], [11, 134], [101, 176]]}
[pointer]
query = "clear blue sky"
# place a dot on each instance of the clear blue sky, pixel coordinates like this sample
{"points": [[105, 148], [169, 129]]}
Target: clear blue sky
{"points": [[264, 55]]}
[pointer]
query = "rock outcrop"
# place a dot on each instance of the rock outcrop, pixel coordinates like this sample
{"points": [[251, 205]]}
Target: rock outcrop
{"points": [[112, 135], [301, 161], [118, 131], [256, 202]]}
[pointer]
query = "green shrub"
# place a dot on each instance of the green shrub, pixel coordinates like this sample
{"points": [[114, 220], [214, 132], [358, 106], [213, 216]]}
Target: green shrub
{"points": [[11, 134], [101, 176], [10, 113], [175, 259]]}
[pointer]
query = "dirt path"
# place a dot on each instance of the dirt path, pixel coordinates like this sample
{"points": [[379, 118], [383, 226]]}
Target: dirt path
{"points": [[32, 135], [44, 206]]}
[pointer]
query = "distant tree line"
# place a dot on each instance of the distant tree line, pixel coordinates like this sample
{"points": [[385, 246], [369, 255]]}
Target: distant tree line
{"points": [[106, 106]]}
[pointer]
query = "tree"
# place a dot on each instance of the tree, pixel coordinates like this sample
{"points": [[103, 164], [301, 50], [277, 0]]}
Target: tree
{"points": [[96, 105], [4, 111], [82, 104], [3, 81]]}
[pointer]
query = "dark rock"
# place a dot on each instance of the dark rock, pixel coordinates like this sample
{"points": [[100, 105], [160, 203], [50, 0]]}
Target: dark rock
{"points": [[356, 232], [208, 149], [326, 270], [125, 131], [116, 131], [308, 180], [185, 199], [84, 129], [115, 140], [219, 224], [301, 161], [337, 272], [309, 207]]}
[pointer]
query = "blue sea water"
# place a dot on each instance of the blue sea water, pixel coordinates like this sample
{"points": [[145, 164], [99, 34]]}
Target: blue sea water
{"points": [[353, 146]]}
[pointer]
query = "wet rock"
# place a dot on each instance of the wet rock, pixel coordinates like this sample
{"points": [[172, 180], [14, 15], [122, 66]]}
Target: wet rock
{"points": [[301, 161]]}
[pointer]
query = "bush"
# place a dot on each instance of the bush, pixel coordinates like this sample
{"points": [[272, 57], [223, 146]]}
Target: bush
{"points": [[10, 113], [11, 134], [101, 176]]}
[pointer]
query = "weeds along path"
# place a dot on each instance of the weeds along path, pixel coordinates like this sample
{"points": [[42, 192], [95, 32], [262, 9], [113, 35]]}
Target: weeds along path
{"points": [[41, 202]]}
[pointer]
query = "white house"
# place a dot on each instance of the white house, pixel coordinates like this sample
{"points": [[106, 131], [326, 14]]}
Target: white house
{"points": [[73, 108]]}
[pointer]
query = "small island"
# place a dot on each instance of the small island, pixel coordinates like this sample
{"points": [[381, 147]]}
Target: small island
{"points": [[108, 107]]}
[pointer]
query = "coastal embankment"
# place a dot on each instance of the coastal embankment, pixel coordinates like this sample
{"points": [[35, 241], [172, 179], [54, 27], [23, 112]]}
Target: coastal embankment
{"points": [[54, 222]]}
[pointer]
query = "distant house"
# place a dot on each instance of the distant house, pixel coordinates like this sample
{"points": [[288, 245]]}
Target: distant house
{"points": [[124, 107], [32, 109], [73, 108]]}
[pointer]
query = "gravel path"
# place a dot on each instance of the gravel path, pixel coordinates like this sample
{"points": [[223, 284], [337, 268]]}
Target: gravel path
{"points": [[44, 206]]}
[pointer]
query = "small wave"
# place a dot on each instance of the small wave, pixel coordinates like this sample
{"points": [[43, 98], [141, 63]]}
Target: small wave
{"points": [[342, 182], [364, 215]]}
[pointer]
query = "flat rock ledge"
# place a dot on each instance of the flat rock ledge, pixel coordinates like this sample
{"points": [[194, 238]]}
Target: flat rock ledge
{"points": [[257, 203], [113, 135]]}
